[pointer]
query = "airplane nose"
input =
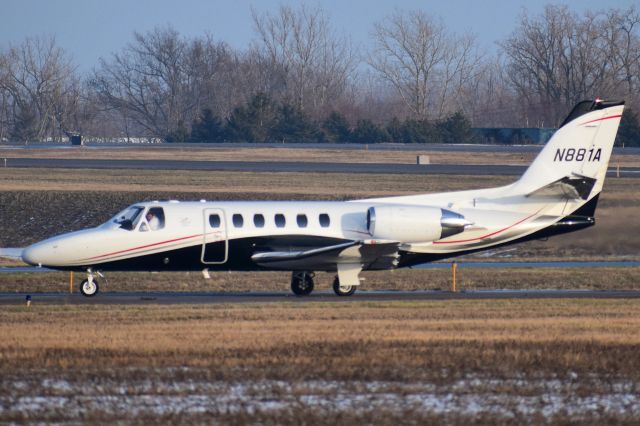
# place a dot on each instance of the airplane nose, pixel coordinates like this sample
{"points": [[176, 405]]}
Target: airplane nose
{"points": [[41, 254], [58, 251], [32, 255]]}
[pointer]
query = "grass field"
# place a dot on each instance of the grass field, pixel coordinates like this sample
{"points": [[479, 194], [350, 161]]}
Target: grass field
{"points": [[455, 362], [531, 361]]}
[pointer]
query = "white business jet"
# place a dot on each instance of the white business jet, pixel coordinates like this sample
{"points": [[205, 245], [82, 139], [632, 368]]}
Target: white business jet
{"points": [[558, 193]]}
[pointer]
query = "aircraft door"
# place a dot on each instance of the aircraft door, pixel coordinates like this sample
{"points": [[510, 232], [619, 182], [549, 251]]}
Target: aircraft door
{"points": [[215, 245]]}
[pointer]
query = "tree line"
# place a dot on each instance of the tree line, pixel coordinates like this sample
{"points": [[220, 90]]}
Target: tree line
{"points": [[264, 120], [302, 80]]}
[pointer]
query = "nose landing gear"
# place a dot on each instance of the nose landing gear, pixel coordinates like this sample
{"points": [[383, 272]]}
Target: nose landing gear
{"points": [[89, 287]]}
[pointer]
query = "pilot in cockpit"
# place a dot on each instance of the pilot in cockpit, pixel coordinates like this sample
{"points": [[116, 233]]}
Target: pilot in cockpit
{"points": [[153, 221]]}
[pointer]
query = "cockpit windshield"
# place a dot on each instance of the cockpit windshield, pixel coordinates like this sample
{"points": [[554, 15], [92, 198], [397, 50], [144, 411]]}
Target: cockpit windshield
{"points": [[128, 218]]}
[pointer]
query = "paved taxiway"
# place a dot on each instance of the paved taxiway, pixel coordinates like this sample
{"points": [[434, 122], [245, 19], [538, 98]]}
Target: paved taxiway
{"points": [[285, 166], [437, 147], [212, 298]]}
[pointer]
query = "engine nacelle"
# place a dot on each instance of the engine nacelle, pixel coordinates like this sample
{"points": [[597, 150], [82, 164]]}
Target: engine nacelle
{"points": [[413, 224]]}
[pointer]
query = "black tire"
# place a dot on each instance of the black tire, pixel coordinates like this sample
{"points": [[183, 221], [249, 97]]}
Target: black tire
{"points": [[302, 283], [89, 291], [344, 290]]}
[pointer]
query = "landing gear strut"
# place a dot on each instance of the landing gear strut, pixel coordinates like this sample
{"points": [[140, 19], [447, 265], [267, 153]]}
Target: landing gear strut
{"points": [[343, 290], [302, 282], [89, 287]]}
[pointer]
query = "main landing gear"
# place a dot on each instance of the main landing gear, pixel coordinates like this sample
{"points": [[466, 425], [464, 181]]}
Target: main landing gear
{"points": [[342, 290], [302, 284], [89, 287]]}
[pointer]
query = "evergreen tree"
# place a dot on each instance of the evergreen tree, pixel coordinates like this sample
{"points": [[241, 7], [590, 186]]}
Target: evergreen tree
{"points": [[179, 135], [293, 126], [207, 128], [418, 131], [254, 122], [335, 128], [367, 132], [629, 131], [394, 130], [455, 129], [24, 126]]}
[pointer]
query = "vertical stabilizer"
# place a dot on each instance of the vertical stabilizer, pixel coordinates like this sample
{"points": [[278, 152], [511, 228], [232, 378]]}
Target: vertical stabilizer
{"points": [[578, 153]]}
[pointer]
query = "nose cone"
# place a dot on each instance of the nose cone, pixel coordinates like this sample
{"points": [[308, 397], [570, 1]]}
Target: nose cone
{"points": [[64, 250], [37, 254]]}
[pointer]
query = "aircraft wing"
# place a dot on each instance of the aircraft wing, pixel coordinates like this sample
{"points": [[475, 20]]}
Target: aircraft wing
{"points": [[328, 257]]}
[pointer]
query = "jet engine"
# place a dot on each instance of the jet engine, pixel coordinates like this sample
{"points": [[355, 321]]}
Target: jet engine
{"points": [[413, 224]]}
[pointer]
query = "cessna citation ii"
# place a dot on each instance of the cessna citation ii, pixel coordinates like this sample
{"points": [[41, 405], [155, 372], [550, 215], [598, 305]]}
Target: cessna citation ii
{"points": [[558, 193]]}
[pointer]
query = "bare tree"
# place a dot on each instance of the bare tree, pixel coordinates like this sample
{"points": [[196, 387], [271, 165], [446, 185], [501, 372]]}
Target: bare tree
{"points": [[489, 99], [38, 85], [5, 99], [621, 32], [428, 67], [312, 62], [161, 81], [560, 58], [143, 81]]}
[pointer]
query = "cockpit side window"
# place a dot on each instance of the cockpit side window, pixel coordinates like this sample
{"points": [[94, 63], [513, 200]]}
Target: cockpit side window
{"points": [[153, 219], [129, 218]]}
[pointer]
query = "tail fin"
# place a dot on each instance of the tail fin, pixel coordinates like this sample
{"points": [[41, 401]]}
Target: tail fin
{"points": [[573, 164]]}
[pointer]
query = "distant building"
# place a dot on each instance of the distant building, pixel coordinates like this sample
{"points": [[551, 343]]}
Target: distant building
{"points": [[76, 139]]}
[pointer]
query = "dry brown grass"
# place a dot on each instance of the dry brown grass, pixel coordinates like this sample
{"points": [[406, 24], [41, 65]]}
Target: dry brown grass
{"points": [[617, 191], [321, 185], [399, 341], [119, 353], [272, 154]]}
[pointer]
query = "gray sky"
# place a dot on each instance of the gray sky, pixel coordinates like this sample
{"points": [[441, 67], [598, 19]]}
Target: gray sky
{"points": [[90, 29]]}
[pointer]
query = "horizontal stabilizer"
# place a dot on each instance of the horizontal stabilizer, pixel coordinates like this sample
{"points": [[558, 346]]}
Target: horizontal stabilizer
{"points": [[568, 187]]}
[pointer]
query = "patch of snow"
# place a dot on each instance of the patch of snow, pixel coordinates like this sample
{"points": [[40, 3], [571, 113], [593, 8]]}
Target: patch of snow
{"points": [[469, 396]]}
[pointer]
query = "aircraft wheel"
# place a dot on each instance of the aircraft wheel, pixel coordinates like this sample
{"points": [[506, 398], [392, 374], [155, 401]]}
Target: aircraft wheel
{"points": [[343, 290], [302, 283], [89, 289]]}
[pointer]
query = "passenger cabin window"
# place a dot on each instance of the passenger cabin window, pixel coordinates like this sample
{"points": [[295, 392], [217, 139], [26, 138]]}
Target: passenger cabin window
{"points": [[214, 220], [324, 220], [258, 220], [302, 220], [280, 220], [238, 220], [153, 220]]}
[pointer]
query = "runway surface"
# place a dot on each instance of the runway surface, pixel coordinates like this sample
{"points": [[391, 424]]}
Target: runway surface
{"points": [[286, 166], [215, 298]]}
